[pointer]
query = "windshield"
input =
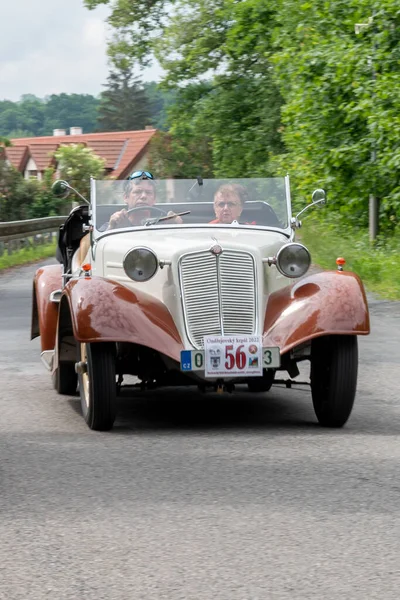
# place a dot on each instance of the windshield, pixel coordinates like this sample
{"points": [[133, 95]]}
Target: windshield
{"points": [[203, 202]]}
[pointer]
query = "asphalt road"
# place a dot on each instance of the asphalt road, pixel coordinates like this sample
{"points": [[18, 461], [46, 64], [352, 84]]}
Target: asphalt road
{"points": [[192, 497]]}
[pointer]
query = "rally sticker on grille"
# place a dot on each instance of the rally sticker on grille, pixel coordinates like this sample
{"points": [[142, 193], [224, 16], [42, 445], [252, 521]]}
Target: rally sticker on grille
{"points": [[231, 356]]}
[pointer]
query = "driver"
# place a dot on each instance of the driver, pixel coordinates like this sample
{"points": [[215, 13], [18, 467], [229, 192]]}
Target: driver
{"points": [[139, 193]]}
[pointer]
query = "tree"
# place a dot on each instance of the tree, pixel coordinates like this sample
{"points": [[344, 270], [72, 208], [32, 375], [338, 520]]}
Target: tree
{"points": [[16, 194], [44, 203], [31, 116], [70, 110], [124, 105], [26, 199], [182, 157], [136, 23], [335, 111], [236, 108], [20, 133], [4, 142], [228, 126], [77, 164], [160, 101], [293, 75], [26, 115]]}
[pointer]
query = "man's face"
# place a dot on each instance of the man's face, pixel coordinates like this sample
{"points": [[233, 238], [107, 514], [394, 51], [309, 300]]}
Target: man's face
{"points": [[227, 207], [141, 193]]}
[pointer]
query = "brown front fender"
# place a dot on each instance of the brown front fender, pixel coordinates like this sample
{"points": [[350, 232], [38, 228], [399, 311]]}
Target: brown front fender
{"points": [[103, 310], [45, 313], [326, 303]]}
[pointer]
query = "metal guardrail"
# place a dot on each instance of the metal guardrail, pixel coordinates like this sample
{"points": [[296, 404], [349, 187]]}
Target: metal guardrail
{"points": [[15, 235]]}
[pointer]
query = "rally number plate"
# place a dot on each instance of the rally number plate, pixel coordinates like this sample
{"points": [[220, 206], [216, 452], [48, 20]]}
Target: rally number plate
{"points": [[231, 356]]}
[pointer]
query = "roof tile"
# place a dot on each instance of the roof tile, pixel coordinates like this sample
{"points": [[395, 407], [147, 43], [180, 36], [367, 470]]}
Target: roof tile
{"points": [[120, 149], [110, 150], [16, 154], [42, 154]]}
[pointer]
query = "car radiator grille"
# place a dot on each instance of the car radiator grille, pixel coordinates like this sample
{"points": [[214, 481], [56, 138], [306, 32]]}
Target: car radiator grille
{"points": [[219, 294]]}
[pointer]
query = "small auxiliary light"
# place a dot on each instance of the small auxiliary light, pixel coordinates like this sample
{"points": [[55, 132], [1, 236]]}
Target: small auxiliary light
{"points": [[340, 262], [87, 268]]}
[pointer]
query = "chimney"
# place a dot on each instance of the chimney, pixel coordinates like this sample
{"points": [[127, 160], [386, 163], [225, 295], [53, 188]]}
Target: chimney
{"points": [[58, 132], [75, 131]]}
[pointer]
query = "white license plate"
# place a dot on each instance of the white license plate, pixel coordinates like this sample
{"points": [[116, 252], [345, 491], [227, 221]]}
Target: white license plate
{"points": [[231, 356]]}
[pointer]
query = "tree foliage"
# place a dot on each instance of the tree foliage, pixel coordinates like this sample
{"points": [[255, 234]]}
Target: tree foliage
{"points": [[229, 127], [292, 88], [77, 164], [71, 110], [159, 102], [183, 156], [4, 142], [342, 101], [217, 57], [43, 202], [124, 105], [141, 105], [12, 206], [26, 198], [32, 116]]}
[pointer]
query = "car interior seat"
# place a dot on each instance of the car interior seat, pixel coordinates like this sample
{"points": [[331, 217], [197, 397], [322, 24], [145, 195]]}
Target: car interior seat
{"points": [[71, 234]]}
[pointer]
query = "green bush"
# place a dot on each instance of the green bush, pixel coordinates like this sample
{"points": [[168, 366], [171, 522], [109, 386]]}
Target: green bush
{"points": [[27, 255], [377, 264]]}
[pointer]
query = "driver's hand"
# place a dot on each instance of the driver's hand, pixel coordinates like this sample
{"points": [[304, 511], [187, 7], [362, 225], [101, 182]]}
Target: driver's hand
{"points": [[119, 219], [177, 220]]}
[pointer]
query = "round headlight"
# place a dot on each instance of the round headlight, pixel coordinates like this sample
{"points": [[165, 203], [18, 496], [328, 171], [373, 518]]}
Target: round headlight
{"points": [[293, 260], [140, 264]]}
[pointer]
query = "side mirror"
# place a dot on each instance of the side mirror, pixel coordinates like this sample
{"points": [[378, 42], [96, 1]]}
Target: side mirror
{"points": [[318, 197], [60, 189]]}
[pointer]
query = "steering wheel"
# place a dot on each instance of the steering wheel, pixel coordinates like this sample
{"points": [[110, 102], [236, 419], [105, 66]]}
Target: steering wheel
{"points": [[149, 208]]}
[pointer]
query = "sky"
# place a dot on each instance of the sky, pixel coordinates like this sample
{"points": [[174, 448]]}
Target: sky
{"points": [[54, 46]]}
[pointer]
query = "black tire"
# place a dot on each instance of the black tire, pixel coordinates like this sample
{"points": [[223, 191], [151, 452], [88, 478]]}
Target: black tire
{"points": [[65, 380], [97, 387], [334, 367], [261, 384]]}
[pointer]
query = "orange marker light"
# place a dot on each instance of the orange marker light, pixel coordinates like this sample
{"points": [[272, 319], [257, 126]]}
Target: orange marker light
{"points": [[88, 267], [340, 261]]}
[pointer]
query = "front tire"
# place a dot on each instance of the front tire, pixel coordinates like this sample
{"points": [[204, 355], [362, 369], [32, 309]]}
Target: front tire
{"points": [[334, 367], [261, 384], [97, 386], [65, 379]]}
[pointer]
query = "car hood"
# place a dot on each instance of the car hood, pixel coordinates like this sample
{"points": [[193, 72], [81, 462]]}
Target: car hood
{"points": [[170, 243]]}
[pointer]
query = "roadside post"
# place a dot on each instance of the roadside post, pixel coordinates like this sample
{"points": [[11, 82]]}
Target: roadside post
{"points": [[373, 200]]}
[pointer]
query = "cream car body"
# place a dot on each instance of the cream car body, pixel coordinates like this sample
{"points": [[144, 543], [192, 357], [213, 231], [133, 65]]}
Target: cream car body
{"points": [[156, 299]]}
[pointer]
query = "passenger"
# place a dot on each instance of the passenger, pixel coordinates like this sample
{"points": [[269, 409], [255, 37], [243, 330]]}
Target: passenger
{"points": [[229, 201], [139, 192]]}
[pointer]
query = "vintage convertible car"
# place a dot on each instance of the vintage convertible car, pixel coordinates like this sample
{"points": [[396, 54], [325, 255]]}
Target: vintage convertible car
{"points": [[197, 302]]}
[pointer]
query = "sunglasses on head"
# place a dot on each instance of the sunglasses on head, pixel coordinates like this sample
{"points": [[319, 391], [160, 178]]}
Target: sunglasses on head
{"points": [[141, 174]]}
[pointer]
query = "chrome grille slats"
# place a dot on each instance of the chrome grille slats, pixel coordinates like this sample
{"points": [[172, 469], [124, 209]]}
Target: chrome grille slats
{"points": [[199, 283], [218, 294], [238, 292]]}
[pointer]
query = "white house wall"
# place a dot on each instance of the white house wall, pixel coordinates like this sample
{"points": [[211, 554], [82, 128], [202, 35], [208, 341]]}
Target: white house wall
{"points": [[31, 166]]}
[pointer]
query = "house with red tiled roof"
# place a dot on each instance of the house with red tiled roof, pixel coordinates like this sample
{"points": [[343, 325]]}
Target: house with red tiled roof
{"points": [[123, 151]]}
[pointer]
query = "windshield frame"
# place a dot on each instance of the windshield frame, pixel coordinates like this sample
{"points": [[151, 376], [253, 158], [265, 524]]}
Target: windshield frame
{"points": [[96, 234]]}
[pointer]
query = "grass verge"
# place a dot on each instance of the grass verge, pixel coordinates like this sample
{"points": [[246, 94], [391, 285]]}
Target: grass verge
{"points": [[378, 266], [27, 255]]}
